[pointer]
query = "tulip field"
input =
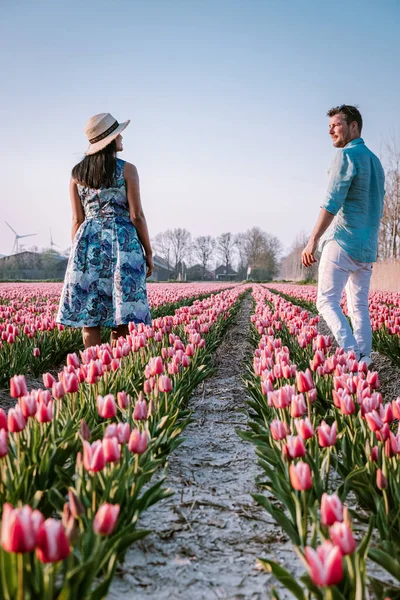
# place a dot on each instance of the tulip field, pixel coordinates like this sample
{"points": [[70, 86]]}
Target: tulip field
{"points": [[83, 455]]}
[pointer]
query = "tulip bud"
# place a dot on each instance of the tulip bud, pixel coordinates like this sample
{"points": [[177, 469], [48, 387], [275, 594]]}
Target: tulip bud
{"points": [[52, 543], [44, 413], [331, 509], [123, 400], [58, 390], [138, 442], [3, 420], [278, 429], [15, 419], [300, 476], [75, 503], [304, 428], [326, 435], [36, 352], [165, 384], [3, 443], [85, 432], [18, 386], [106, 406], [140, 411], [295, 446], [93, 456], [106, 519], [342, 536], [112, 452], [381, 481], [28, 405]]}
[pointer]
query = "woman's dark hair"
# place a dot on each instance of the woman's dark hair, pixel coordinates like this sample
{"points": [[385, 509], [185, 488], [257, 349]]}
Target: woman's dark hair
{"points": [[351, 113], [97, 170]]}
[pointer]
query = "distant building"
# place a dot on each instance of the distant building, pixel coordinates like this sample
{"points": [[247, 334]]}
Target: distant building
{"points": [[196, 272], [33, 265], [221, 273], [162, 272]]}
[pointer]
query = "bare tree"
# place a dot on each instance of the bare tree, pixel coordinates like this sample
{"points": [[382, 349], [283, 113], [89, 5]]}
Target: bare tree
{"points": [[291, 267], [163, 246], [181, 241], [263, 252], [389, 233], [203, 247], [225, 247], [241, 247]]}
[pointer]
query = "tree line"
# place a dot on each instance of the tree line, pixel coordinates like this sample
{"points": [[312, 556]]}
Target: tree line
{"points": [[254, 253]]}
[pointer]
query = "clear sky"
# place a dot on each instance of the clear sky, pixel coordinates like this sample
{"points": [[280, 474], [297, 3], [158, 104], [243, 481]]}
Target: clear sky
{"points": [[227, 101]]}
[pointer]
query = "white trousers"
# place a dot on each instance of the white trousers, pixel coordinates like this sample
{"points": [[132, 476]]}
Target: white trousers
{"points": [[338, 271]]}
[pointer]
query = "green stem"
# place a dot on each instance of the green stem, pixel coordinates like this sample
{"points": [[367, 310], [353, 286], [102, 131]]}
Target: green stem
{"points": [[20, 563]]}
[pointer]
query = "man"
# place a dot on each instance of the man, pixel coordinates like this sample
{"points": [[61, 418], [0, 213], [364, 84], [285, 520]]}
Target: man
{"points": [[352, 211]]}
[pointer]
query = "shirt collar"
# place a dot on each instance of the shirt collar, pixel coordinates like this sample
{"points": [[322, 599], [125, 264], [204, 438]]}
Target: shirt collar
{"points": [[354, 142]]}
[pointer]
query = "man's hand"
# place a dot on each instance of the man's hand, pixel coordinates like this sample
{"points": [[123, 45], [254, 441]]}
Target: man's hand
{"points": [[150, 265], [307, 256]]}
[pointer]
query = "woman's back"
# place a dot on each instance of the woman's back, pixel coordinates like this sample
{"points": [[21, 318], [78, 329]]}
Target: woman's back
{"points": [[106, 202]]}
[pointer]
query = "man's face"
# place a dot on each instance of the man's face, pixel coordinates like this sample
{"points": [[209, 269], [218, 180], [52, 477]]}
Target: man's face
{"points": [[340, 132]]}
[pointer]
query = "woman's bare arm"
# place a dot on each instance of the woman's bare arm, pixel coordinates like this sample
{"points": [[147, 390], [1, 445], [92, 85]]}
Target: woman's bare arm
{"points": [[77, 210], [136, 212]]}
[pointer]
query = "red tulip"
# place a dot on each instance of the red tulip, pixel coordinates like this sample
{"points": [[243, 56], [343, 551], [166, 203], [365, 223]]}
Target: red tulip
{"points": [[300, 476], [396, 408], [123, 400], [18, 386], [347, 405], [138, 442], [93, 456], [164, 383], [15, 419], [3, 419], [304, 428], [295, 446], [45, 412], [326, 435], [73, 360], [19, 528], [342, 536], [395, 443], [374, 421], [123, 433], [112, 452], [304, 381], [106, 406], [36, 352], [75, 503], [3, 443], [71, 383], [331, 509], [106, 519], [325, 564], [28, 405], [58, 390], [278, 429], [52, 543]]}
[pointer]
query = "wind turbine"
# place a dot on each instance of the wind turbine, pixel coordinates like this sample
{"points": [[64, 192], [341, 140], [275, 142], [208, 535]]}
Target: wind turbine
{"points": [[15, 249], [52, 244]]}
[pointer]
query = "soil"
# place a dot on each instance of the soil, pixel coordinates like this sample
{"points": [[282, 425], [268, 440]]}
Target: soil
{"points": [[207, 537]]}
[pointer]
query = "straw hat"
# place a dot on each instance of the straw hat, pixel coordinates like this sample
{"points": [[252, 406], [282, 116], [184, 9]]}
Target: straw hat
{"points": [[101, 130]]}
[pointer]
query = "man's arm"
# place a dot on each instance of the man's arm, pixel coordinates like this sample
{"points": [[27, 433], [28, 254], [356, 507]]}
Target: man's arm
{"points": [[325, 218]]}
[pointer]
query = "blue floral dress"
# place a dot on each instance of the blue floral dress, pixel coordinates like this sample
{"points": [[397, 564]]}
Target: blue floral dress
{"points": [[105, 282]]}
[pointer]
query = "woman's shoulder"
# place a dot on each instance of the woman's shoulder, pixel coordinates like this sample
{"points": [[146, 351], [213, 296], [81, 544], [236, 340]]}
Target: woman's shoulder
{"points": [[130, 170]]}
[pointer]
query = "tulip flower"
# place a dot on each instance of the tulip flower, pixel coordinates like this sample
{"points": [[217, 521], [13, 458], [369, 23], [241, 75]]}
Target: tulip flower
{"points": [[85, 432], [45, 412], [304, 381], [52, 542], [381, 481], [138, 442], [112, 452], [300, 476], [106, 519], [123, 400], [3, 443], [295, 446], [58, 390], [36, 352], [71, 383], [75, 503], [342, 536], [278, 429], [156, 366], [331, 509], [325, 564], [140, 411], [93, 456], [347, 405], [18, 386], [15, 419], [106, 406], [396, 408], [326, 434], [73, 360], [19, 528], [3, 419], [164, 384], [298, 406], [304, 428], [374, 421]]}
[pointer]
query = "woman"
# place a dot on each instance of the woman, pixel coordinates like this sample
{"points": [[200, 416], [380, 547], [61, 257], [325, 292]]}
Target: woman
{"points": [[105, 282]]}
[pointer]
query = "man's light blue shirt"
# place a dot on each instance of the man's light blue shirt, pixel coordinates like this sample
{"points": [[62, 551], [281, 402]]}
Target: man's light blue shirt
{"points": [[355, 194]]}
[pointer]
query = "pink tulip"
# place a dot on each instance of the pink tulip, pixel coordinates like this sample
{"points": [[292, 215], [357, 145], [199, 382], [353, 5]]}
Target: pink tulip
{"points": [[15, 419], [164, 384], [386, 412], [73, 360], [71, 383], [300, 476], [85, 432], [304, 428], [3, 443], [156, 366], [381, 481], [395, 443], [278, 429], [3, 420], [106, 519], [19, 528], [106, 406], [123, 400], [28, 405], [93, 456], [18, 386], [112, 452], [140, 411], [52, 543], [58, 390], [342, 536], [36, 352], [396, 408], [123, 433], [295, 446], [325, 564], [45, 412], [304, 381], [347, 405], [326, 434], [374, 421], [331, 509], [138, 442]]}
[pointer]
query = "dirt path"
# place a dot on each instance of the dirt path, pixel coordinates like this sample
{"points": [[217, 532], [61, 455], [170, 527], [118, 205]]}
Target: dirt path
{"points": [[208, 535]]}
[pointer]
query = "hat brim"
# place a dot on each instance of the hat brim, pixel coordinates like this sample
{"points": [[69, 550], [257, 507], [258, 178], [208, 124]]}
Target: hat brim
{"points": [[93, 148]]}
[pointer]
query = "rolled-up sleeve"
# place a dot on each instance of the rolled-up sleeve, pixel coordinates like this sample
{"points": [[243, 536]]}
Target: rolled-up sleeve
{"points": [[341, 175]]}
